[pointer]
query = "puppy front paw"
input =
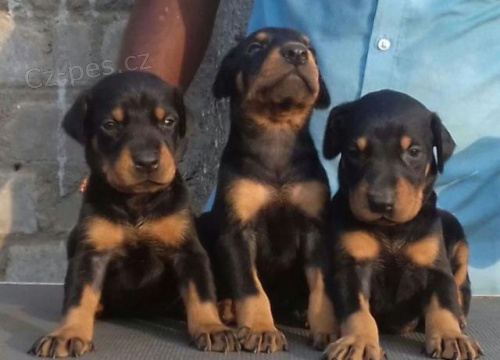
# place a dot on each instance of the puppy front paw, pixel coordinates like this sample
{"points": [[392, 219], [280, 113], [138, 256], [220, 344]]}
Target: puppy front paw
{"points": [[215, 337], [60, 344], [354, 347], [262, 340], [453, 346], [320, 340]]}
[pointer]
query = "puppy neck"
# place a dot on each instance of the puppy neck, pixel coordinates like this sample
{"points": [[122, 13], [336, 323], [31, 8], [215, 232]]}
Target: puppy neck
{"points": [[126, 207]]}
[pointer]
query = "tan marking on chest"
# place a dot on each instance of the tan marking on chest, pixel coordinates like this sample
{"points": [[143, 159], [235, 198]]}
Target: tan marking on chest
{"points": [[423, 252], [311, 197], [360, 245], [103, 234], [247, 197], [170, 230]]}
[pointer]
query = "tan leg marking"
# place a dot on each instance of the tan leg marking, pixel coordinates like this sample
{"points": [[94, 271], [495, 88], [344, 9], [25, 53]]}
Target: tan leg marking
{"points": [[247, 197], [360, 339], [257, 332], [204, 324], [311, 197], [103, 234], [423, 252], [443, 337], [170, 230], [255, 311], [78, 323], [360, 245], [320, 314]]}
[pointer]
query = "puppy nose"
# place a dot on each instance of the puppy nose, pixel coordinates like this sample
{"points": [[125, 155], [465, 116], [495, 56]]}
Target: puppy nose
{"points": [[146, 161], [381, 202], [294, 53]]}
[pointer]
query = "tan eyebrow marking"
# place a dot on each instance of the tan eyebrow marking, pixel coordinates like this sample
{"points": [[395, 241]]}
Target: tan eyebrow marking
{"points": [[118, 114], [160, 113]]}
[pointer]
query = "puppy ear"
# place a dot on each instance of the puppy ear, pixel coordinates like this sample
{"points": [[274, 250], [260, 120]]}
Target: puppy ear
{"points": [[187, 124], [442, 140], [182, 110], [225, 81], [323, 100], [332, 138], [74, 120]]}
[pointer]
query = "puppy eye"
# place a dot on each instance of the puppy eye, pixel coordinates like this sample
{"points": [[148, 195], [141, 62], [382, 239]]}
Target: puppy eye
{"points": [[414, 151], [168, 122], [109, 125], [254, 48]]}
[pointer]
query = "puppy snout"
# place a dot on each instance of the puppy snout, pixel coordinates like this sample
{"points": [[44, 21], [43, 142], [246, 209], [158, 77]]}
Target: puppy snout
{"points": [[295, 53], [381, 202], [147, 161]]}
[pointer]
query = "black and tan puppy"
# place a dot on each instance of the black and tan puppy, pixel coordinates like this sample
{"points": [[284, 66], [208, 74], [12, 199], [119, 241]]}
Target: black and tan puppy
{"points": [[272, 192], [396, 258], [134, 247]]}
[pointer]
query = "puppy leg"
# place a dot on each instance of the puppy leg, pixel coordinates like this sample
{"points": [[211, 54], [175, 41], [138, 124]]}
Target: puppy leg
{"points": [[349, 288], [83, 285], [458, 256], [320, 314], [198, 293], [443, 336], [257, 332]]}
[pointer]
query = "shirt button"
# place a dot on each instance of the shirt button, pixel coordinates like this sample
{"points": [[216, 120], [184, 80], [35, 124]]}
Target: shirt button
{"points": [[384, 44]]}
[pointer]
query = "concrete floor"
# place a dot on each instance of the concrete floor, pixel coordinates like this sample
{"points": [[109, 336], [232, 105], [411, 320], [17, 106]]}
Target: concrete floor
{"points": [[29, 311]]}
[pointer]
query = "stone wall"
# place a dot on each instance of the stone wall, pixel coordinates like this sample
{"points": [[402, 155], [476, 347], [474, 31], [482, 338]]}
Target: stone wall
{"points": [[46, 47]]}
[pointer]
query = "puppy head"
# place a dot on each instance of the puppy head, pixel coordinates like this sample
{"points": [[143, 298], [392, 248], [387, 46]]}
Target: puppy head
{"points": [[272, 70], [386, 140], [132, 126]]}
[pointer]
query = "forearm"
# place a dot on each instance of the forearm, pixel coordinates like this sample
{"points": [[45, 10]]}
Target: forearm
{"points": [[171, 34]]}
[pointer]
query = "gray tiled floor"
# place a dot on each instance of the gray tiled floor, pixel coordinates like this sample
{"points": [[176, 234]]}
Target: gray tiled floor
{"points": [[28, 311]]}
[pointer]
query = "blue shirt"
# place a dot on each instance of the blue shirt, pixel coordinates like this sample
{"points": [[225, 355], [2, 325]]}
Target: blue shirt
{"points": [[445, 53]]}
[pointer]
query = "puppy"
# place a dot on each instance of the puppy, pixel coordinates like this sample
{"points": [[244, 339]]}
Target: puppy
{"points": [[396, 258], [135, 246], [267, 222]]}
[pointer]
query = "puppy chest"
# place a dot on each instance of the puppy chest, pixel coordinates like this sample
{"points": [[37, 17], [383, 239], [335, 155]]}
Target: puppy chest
{"points": [[248, 199], [391, 253], [168, 231]]}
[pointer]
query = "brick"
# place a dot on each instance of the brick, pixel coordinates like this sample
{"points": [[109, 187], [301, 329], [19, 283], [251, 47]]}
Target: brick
{"points": [[72, 53], [24, 46], [112, 40], [112, 5], [17, 203], [33, 134], [36, 262], [29, 8], [77, 5]]}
